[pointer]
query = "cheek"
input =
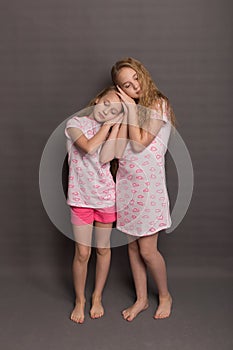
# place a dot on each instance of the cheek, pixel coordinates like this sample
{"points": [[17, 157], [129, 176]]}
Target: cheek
{"points": [[95, 109], [110, 117]]}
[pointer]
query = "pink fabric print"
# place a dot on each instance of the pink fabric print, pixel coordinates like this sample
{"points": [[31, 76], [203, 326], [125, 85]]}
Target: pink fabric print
{"points": [[148, 207], [90, 182]]}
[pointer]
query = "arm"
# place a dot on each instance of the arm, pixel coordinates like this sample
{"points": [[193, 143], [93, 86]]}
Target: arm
{"points": [[140, 137], [122, 139], [107, 152], [115, 145], [92, 144]]}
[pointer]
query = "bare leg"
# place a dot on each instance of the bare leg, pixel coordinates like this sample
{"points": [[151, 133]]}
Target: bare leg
{"points": [[103, 251], [156, 264], [80, 262], [138, 268]]}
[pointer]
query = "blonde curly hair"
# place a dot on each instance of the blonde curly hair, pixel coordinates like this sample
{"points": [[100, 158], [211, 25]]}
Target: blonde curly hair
{"points": [[151, 98]]}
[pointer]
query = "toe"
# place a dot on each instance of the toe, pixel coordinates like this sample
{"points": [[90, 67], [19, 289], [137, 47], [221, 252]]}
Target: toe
{"points": [[129, 318], [126, 315]]}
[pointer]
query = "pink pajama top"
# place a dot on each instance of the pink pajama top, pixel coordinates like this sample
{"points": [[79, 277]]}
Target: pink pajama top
{"points": [[141, 193], [90, 183]]}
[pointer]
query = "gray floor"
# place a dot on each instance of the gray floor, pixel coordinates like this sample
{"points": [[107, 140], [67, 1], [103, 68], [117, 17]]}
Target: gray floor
{"points": [[37, 301]]}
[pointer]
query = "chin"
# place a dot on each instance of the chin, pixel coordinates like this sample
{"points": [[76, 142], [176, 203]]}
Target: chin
{"points": [[98, 120], [136, 96]]}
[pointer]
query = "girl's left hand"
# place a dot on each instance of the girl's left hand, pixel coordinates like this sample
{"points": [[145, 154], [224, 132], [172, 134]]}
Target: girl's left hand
{"points": [[124, 97], [116, 120]]}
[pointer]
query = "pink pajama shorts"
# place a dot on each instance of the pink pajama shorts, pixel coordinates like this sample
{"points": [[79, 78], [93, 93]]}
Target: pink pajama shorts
{"points": [[83, 216]]}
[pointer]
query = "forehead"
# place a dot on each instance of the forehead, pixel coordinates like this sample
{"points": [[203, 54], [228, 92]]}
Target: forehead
{"points": [[111, 96], [126, 73]]}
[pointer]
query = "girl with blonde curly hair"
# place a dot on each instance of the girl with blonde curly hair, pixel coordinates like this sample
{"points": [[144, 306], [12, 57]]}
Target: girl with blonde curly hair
{"points": [[142, 198]]}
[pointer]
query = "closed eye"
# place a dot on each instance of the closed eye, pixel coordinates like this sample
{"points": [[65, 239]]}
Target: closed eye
{"points": [[114, 111]]}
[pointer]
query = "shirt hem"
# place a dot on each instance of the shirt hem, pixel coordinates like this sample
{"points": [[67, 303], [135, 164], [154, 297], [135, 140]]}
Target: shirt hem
{"points": [[144, 234], [75, 204]]}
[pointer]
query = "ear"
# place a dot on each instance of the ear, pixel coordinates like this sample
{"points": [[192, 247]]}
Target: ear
{"points": [[96, 101]]}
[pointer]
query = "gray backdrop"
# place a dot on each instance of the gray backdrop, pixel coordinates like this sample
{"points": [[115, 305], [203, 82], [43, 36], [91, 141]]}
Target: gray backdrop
{"points": [[55, 56]]}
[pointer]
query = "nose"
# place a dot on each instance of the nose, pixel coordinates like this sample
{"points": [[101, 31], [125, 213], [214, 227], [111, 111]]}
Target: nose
{"points": [[106, 110], [136, 85]]}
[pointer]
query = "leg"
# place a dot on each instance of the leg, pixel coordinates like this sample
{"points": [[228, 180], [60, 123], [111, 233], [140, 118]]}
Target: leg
{"points": [[138, 268], [156, 264], [102, 235], [80, 262]]}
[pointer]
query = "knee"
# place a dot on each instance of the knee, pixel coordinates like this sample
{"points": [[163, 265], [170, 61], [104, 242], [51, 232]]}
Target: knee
{"points": [[102, 251], [133, 247], [82, 255], [148, 254]]}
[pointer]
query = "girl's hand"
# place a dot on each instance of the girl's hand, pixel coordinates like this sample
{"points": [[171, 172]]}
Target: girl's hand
{"points": [[124, 97], [113, 132], [116, 127], [115, 120]]}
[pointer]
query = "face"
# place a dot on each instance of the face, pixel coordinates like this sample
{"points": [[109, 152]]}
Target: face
{"points": [[107, 107], [127, 78]]}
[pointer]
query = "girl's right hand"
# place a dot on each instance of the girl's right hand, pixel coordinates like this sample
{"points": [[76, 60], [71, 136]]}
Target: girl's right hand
{"points": [[127, 100], [115, 120]]}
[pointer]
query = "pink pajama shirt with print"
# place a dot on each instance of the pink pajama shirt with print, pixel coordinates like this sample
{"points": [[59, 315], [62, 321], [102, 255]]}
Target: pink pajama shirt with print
{"points": [[90, 183], [141, 193]]}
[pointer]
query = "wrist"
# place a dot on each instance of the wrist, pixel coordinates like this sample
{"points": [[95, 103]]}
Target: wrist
{"points": [[106, 127]]}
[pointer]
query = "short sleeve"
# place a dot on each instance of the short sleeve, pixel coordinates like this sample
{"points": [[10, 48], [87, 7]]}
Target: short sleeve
{"points": [[165, 112], [74, 122], [161, 114]]}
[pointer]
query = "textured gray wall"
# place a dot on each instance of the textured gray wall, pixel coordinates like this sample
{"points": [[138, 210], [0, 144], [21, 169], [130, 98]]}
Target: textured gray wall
{"points": [[55, 56]]}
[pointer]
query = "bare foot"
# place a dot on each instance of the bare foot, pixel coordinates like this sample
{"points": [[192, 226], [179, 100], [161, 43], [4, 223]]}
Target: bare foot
{"points": [[97, 309], [77, 314], [130, 313], [164, 308]]}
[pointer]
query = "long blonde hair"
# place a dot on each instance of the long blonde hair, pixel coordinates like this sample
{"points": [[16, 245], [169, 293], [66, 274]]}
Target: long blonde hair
{"points": [[152, 97]]}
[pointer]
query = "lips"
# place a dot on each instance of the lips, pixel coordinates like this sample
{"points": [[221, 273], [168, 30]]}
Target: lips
{"points": [[138, 93]]}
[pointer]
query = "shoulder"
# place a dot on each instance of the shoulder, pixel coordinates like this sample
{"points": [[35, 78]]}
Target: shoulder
{"points": [[77, 121], [160, 109], [160, 103]]}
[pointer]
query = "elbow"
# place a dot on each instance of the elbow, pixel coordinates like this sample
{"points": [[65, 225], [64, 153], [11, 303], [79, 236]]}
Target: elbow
{"points": [[106, 155], [137, 147], [105, 159], [87, 149], [119, 154], [90, 150]]}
